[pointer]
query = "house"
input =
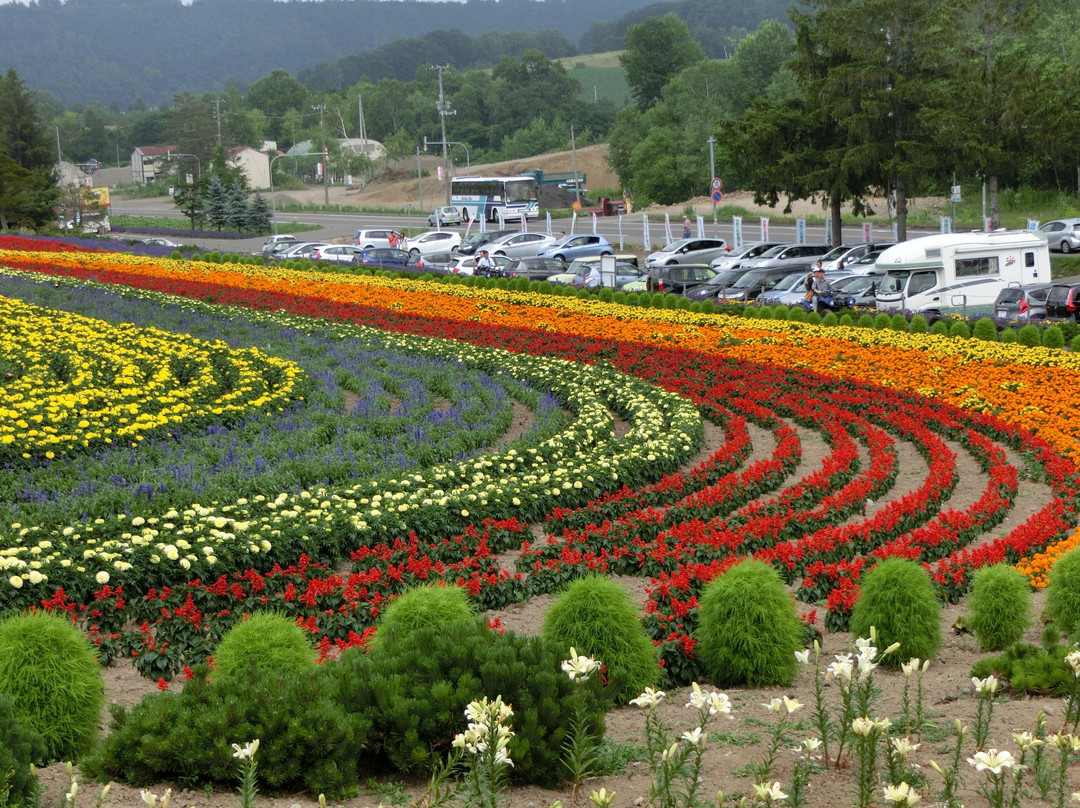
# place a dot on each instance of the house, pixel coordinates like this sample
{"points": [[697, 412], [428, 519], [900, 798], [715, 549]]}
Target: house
{"points": [[255, 165], [146, 162]]}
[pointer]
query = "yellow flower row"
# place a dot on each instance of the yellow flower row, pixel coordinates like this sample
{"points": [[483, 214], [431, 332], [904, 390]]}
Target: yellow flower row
{"points": [[76, 382]]}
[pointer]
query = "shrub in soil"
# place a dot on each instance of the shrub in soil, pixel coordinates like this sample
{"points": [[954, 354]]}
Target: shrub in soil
{"points": [[960, 329], [918, 325], [1028, 670], [1063, 592], [748, 630], [263, 640], [414, 692], [999, 606], [49, 671], [306, 741], [21, 746], [940, 327], [1030, 335], [1053, 337], [985, 330], [430, 605], [597, 617], [897, 598]]}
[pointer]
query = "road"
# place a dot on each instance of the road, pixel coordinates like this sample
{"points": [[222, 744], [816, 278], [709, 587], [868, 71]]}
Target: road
{"points": [[625, 232]]}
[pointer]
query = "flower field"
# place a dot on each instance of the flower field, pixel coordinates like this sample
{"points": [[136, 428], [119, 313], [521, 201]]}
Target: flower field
{"points": [[184, 442]]}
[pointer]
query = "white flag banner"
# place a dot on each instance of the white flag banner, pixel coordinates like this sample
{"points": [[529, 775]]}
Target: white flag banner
{"points": [[895, 231], [701, 227], [620, 232], [764, 229], [524, 224], [868, 232], [800, 231], [828, 232], [573, 221], [594, 223], [1033, 224], [548, 215], [736, 225], [483, 224], [667, 229], [946, 224], [988, 224], [646, 242]]}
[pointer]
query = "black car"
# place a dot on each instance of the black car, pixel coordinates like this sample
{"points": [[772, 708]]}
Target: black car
{"points": [[1063, 301], [535, 269], [716, 285], [753, 283], [470, 243], [1022, 303], [677, 278], [386, 258]]}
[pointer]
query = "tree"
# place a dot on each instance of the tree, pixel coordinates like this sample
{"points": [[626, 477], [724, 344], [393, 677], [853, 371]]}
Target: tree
{"points": [[275, 94], [258, 216], [191, 199], [217, 202], [657, 50], [28, 189], [17, 193]]}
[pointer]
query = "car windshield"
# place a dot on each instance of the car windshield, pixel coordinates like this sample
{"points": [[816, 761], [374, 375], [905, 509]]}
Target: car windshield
{"points": [[835, 252], [724, 278], [772, 252], [748, 280], [675, 245], [786, 281], [1010, 295], [857, 284]]}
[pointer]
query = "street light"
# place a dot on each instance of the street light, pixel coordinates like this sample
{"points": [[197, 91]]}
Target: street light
{"points": [[449, 143], [273, 203], [198, 163]]}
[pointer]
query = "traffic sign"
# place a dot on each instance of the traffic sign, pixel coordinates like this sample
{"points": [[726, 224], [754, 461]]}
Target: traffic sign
{"points": [[717, 183], [717, 196]]}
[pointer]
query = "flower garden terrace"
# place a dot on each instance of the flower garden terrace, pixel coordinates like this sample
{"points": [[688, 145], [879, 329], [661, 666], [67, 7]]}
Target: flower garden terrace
{"points": [[867, 406]]}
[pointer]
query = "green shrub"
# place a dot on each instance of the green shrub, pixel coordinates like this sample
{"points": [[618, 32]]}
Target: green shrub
{"points": [[764, 313], [781, 313], [607, 295], [305, 739], [699, 306], [985, 330], [847, 320], [21, 746], [1053, 337], [415, 691], [1031, 336], [748, 631], [898, 322], [597, 617], [999, 606], [47, 668], [632, 298], [1008, 335], [865, 321], [918, 325], [1028, 670], [430, 605], [1074, 345], [882, 321], [263, 640], [940, 327], [1063, 592], [813, 318], [683, 303], [797, 314], [830, 319], [960, 330], [897, 598]]}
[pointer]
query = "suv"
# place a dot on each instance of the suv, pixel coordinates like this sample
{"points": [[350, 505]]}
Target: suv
{"points": [[788, 255], [370, 239], [444, 216], [1063, 301], [689, 251], [1062, 234], [1022, 303], [677, 278]]}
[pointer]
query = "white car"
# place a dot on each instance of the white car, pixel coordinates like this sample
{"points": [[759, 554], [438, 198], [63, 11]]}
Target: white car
{"points": [[466, 264], [336, 253], [434, 241], [445, 215], [688, 251], [519, 245], [370, 239]]}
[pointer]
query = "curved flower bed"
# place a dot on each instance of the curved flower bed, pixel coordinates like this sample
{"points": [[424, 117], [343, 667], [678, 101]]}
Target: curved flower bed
{"points": [[862, 390]]}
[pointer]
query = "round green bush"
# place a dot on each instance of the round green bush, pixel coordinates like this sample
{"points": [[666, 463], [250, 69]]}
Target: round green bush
{"points": [[985, 330], [430, 605], [897, 598], [940, 327], [597, 617], [21, 747], [847, 320], [1063, 592], [830, 319], [999, 606], [748, 631], [883, 321], [49, 671], [1008, 335], [1053, 337], [1030, 336], [865, 321], [898, 322], [1074, 343], [766, 313], [813, 318], [781, 313], [797, 315], [264, 640], [960, 330], [918, 325]]}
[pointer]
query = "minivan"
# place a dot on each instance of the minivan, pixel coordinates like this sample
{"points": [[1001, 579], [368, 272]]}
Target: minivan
{"points": [[1063, 301], [370, 239]]}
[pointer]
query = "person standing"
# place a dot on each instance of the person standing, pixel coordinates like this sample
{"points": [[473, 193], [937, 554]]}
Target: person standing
{"points": [[686, 227]]}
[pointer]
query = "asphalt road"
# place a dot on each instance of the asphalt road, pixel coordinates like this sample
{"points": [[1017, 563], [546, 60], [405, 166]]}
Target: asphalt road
{"points": [[627, 233]]}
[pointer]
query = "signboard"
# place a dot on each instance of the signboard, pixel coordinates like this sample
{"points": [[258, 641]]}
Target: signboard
{"points": [[736, 223], [764, 229], [868, 232], [955, 193], [717, 196], [800, 231], [717, 184], [828, 231], [946, 224]]}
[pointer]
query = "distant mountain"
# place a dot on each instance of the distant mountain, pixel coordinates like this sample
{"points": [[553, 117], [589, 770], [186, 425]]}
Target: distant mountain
{"points": [[117, 51]]}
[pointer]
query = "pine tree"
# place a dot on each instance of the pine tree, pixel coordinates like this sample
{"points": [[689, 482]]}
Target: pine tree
{"points": [[28, 191]]}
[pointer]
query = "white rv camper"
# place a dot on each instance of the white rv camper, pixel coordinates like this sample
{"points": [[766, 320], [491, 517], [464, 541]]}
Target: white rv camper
{"points": [[960, 272]]}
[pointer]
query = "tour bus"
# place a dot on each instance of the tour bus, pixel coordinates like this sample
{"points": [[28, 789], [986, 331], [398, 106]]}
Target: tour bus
{"points": [[495, 198], [959, 272]]}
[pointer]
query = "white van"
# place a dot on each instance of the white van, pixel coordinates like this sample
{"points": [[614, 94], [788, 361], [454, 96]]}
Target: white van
{"points": [[959, 272]]}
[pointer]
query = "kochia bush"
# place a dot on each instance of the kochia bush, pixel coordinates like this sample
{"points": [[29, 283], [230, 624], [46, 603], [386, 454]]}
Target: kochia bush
{"points": [[1000, 606], [1063, 592], [429, 605], [897, 598], [263, 640], [748, 631]]}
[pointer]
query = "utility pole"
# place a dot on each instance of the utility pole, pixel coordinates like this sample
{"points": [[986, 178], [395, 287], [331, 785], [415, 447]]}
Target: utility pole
{"points": [[326, 157], [217, 117], [419, 179], [443, 106], [712, 173], [577, 177]]}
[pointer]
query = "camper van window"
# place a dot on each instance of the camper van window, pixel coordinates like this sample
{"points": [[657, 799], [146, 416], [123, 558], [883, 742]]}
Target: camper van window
{"points": [[1029, 259], [921, 281], [967, 267]]}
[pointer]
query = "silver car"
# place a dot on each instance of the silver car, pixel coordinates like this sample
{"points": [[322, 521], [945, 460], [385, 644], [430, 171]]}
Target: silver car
{"points": [[788, 255], [840, 257], [519, 245], [688, 251], [739, 257], [1062, 234]]}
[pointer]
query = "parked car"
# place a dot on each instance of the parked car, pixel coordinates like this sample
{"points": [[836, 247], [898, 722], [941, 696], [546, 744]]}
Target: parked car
{"points": [[565, 276], [446, 215], [752, 284], [788, 255], [715, 286], [335, 253], [840, 257], [466, 265], [535, 269], [1063, 301], [1022, 303], [370, 239], [158, 241], [677, 278], [1062, 234], [741, 255], [434, 241], [787, 289], [274, 244], [302, 249], [574, 247], [860, 290], [589, 276], [689, 251], [439, 262], [519, 245], [472, 241], [386, 258], [867, 264]]}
